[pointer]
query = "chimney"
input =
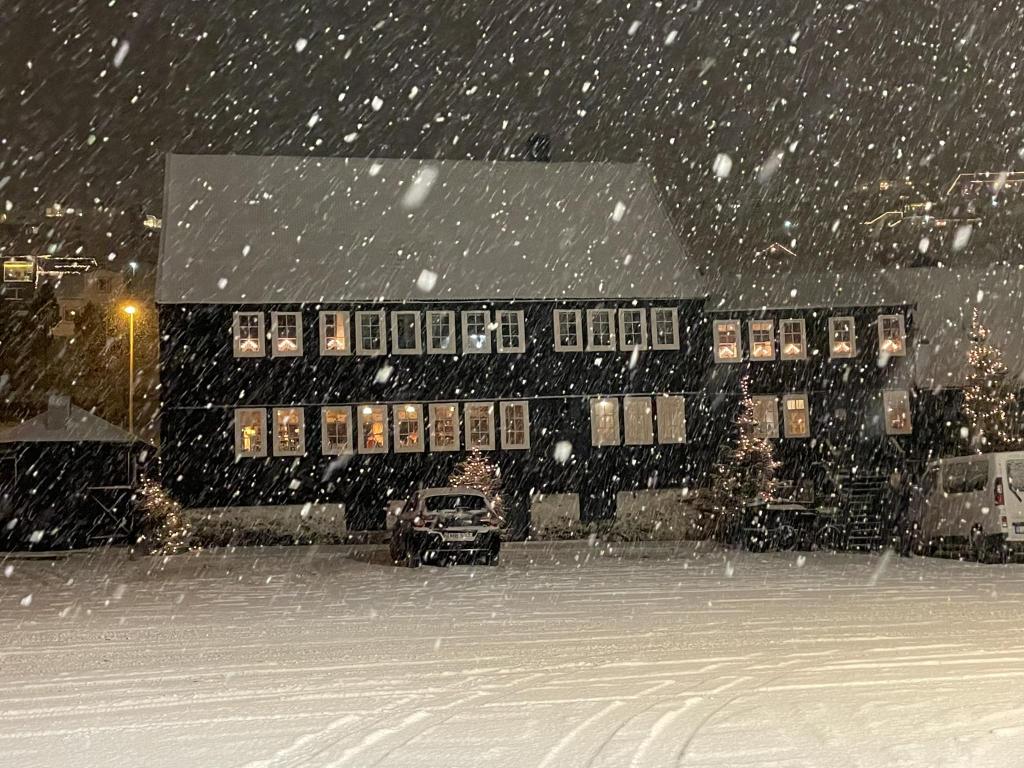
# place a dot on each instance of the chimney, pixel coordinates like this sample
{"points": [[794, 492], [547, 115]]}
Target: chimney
{"points": [[58, 411], [538, 148]]}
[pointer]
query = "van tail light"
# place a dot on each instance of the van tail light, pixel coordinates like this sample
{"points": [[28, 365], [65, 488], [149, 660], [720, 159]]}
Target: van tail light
{"points": [[1000, 498], [1004, 522]]}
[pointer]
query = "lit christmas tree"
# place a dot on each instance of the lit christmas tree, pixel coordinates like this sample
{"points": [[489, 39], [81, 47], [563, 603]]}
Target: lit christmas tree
{"points": [[747, 471], [989, 403], [165, 529], [475, 471]]}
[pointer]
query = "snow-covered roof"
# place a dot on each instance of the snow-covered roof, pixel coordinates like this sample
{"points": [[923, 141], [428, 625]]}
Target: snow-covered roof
{"points": [[73, 425], [241, 229]]}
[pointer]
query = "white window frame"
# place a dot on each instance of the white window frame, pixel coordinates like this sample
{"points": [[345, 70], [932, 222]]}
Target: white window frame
{"points": [[450, 348], [674, 315], [832, 323], [434, 409], [897, 398], [783, 355], [771, 405], [664, 417], [280, 450], [361, 411], [597, 438], [786, 399], [341, 320], [366, 351], [236, 326], [327, 448], [402, 410], [395, 348], [717, 328], [901, 321], [577, 319], [468, 418], [467, 346], [238, 415], [512, 445], [638, 420], [593, 347], [520, 322], [623, 312], [275, 321], [753, 344]]}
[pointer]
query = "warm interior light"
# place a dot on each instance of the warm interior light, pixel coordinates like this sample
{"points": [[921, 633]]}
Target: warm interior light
{"points": [[367, 410]]}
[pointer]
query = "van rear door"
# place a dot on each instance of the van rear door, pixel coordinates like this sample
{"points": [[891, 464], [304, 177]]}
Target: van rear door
{"points": [[1013, 493]]}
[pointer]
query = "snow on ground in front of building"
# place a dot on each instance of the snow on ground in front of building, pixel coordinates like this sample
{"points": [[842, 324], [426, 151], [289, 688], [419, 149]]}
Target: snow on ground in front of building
{"points": [[563, 656]]}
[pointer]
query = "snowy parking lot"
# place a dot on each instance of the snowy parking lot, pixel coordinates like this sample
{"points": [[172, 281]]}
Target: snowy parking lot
{"points": [[565, 655]]}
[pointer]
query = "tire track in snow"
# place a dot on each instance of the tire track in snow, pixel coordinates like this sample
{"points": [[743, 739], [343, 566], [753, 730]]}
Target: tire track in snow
{"points": [[570, 737]]}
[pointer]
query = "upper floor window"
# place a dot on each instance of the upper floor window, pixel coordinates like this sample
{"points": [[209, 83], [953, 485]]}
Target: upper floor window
{"points": [[476, 331], [334, 334], [249, 334], [600, 330], [604, 421], [665, 323], [336, 430], [632, 329], [727, 341], [370, 339], [286, 334], [405, 333], [842, 337], [515, 425], [896, 404], [511, 337], [440, 333], [444, 427], [408, 428], [891, 335], [762, 339], [766, 416], [794, 340], [568, 330], [797, 416], [671, 416], [250, 432], [289, 432], [373, 429], [639, 419], [480, 426]]}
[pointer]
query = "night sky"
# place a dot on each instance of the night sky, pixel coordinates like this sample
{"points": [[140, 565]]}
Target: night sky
{"points": [[807, 98]]}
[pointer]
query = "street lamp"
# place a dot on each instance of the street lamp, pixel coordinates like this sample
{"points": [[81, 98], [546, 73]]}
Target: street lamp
{"points": [[130, 310]]}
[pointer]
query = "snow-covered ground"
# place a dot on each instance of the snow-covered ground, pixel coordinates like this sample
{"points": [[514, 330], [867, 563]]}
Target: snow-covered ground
{"points": [[562, 656]]}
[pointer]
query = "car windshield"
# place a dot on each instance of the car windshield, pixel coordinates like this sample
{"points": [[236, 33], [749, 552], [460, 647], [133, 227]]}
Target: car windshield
{"points": [[455, 501]]}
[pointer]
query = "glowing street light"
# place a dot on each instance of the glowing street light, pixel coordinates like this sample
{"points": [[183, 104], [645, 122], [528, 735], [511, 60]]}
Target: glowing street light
{"points": [[131, 310]]}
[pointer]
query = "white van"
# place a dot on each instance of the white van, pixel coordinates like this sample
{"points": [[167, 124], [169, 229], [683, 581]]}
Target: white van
{"points": [[972, 503]]}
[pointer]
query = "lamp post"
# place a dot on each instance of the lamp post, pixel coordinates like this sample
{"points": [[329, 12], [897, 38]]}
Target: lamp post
{"points": [[130, 310]]}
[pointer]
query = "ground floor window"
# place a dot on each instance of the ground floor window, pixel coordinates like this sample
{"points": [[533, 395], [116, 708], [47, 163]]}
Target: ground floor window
{"points": [[289, 432], [373, 429], [480, 426], [896, 405], [671, 416], [639, 418], [515, 426], [408, 428], [797, 415], [444, 427], [604, 421], [766, 416], [250, 432], [727, 341], [336, 430]]}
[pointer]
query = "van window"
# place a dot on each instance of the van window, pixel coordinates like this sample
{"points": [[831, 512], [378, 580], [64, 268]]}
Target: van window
{"points": [[1015, 478], [965, 477]]}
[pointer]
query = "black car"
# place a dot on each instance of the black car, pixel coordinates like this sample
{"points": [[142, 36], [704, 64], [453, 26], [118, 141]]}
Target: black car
{"points": [[446, 525]]}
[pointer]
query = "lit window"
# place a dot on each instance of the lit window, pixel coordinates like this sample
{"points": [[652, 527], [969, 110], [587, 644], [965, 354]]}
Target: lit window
{"points": [[510, 331], [408, 428], [18, 271], [896, 403], [370, 339], [373, 429], [286, 334], [405, 333], [568, 330], [842, 337], [515, 426], [334, 333], [444, 427], [249, 334], [632, 329], [604, 421], [476, 332], [762, 339], [250, 432], [440, 333], [891, 335], [336, 430], [639, 418], [480, 426], [727, 341], [665, 322], [797, 417], [600, 330], [289, 432], [794, 340], [766, 416], [671, 418]]}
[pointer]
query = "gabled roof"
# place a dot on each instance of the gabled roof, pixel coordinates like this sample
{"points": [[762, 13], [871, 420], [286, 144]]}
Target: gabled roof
{"points": [[242, 229], [79, 427]]}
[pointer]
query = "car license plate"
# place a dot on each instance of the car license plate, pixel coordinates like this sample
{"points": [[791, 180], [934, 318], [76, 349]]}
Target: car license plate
{"points": [[459, 536]]}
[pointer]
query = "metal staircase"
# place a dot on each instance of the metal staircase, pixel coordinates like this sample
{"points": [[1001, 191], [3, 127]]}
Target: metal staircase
{"points": [[867, 503]]}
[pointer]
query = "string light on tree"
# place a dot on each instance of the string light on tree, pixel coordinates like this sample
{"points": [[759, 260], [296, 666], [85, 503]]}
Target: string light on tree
{"points": [[990, 405], [476, 471]]}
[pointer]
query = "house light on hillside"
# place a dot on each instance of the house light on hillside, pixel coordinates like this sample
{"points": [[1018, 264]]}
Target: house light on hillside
{"points": [[151, 222]]}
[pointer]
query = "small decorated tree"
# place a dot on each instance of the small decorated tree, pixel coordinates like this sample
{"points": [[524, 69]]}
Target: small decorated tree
{"points": [[476, 471], [990, 405], [165, 531]]}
